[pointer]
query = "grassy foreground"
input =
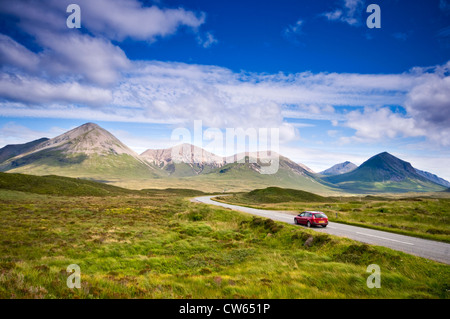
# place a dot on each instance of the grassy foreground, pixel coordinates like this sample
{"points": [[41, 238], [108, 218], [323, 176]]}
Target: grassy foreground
{"points": [[159, 245], [422, 216]]}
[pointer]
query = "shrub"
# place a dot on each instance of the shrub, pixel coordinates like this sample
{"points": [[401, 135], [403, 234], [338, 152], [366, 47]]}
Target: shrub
{"points": [[266, 224], [198, 214]]}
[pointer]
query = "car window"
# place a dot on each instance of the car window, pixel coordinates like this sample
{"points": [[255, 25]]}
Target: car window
{"points": [[308, 215], [302, 215], [320, 216]]}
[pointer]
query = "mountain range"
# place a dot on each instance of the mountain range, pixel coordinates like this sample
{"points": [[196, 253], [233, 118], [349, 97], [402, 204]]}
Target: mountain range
{"points": [[91, 152]]}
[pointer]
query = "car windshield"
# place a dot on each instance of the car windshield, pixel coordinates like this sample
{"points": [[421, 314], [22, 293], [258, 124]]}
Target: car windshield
{"points": [[320, 216]]}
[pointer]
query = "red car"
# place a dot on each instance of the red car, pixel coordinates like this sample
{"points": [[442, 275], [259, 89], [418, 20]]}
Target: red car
{"points": [[311, 219]]}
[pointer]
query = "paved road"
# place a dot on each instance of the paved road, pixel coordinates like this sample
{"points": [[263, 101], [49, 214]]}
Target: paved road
{"points": [[415, 246]]}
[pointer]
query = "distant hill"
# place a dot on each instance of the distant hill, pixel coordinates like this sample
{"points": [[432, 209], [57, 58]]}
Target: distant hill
{"points": [[340, 168], [271, 195], [16, 149], [383, 173], [58, 185], [281, 195]]}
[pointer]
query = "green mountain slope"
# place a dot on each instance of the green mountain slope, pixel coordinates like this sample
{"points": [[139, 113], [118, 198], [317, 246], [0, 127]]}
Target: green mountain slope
{"points": [[98, 167], [383, 173]]}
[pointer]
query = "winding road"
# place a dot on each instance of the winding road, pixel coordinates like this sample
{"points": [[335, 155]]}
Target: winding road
{"points": [[429, 249]]}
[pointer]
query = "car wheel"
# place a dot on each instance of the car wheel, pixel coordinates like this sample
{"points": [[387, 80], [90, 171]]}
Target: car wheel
{"points": [[324, 226], [308, 224], [295, 221]]}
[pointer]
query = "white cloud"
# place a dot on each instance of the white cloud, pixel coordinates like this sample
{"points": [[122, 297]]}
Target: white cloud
{"points": [[37, 91], [334, 15], [373, 125], [88, 56], [206, 41], [66, 53], [71, 111], [16, 55], [350, 12], [121, 19], [288, 133], [429, 103], [95, 59], [114, 19]]}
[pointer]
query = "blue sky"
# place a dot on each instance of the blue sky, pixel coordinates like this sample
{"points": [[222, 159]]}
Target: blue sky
{"points": [[258, 36], [336, 89]]}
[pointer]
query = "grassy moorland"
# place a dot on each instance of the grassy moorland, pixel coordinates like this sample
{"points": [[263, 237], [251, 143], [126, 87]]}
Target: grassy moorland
{"points": [[421, 215], [157, 244], [58, 185]]}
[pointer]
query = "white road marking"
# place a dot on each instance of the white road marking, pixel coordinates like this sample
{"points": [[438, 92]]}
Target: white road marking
{"points": [[398, 241]]}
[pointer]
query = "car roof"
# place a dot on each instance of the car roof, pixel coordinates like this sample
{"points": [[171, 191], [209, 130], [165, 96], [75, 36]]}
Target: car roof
{"points": [[313, 212]]}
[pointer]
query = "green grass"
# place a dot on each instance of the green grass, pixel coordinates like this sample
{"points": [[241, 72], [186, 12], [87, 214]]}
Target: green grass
{"points": [[109, 168], [159, 245], [424, 216], [359, 187], [367, 186], [67, 186], [58, 185], [277, 195]]}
